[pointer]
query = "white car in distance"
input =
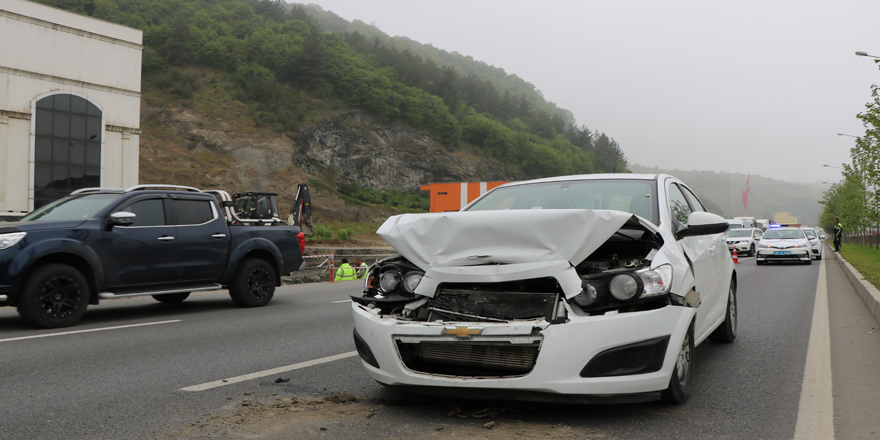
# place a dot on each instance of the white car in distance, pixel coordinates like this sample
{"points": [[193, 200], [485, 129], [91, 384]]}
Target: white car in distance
{"points": [[815, 242], [784, 244], [590, 288], [745, 241]]}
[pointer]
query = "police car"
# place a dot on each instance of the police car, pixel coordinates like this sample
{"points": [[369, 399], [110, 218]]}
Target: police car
{"points": [[784, 244]]}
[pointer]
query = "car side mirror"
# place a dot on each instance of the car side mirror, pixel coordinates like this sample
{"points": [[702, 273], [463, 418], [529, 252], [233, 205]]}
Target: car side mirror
{"points": [[702, 223], [122, 218]]}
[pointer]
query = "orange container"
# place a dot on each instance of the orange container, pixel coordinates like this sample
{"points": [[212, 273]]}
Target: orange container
{"points": [[447, 197]]}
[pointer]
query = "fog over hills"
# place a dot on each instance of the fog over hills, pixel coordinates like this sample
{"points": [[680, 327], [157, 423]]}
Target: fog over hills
{"points": [[722, 193]]}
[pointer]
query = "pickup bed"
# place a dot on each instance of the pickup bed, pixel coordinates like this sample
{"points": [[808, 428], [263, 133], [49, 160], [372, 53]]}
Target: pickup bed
{"points": [[110, 243]]}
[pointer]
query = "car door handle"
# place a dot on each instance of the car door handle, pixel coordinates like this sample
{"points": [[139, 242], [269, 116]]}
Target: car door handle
{"points": [[218, 236], [166, 238]]}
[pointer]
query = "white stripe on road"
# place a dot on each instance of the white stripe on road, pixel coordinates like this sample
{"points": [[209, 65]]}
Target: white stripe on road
{"points": [[342, 301], [87, 331], [272, 372], [816, 409]]}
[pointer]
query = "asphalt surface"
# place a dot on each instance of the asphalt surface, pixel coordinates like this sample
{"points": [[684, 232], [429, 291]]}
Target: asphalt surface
{"points": [[126, 382]]}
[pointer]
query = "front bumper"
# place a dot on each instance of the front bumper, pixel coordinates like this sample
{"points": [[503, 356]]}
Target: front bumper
{"points": [[563, 351], [740, 247], [793, 254]]}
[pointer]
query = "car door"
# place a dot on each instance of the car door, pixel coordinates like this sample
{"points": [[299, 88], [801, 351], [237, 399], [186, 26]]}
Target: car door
{"points": [[203, 239], [704, 253], [143, 253]]}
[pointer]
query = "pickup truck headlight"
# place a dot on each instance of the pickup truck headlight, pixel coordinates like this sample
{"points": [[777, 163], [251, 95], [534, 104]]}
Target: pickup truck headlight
{"points": [[9, 240]]}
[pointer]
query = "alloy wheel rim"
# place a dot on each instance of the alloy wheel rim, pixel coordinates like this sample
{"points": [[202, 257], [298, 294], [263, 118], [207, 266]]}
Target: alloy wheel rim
{"points": [[683, 364], [259, 283], [60, 297], [732, 311]]}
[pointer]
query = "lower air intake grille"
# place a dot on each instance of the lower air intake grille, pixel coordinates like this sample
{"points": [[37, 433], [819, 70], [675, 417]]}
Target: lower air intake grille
{"points": [[492, 359]]}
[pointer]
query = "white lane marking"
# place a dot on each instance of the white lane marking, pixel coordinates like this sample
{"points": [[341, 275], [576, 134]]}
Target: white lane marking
{"points": [[342, 301], [87, 331], [272, 372], [816, 409]]}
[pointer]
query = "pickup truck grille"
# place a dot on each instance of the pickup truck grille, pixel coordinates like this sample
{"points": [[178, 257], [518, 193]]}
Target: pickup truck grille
{"points": [[486, 359]]}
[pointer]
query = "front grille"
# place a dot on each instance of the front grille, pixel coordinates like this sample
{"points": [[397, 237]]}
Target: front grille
{"points": [[493, 359], [475, 305]]}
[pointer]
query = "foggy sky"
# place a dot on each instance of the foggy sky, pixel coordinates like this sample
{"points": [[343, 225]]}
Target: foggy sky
{"points": [[747, 86]]}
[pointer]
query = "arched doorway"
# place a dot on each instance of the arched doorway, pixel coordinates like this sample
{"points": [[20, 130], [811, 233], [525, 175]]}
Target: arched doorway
{"points": [[67, 149]]}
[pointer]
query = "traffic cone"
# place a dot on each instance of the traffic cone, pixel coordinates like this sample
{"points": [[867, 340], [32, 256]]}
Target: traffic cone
{"points": [[735, 260]]}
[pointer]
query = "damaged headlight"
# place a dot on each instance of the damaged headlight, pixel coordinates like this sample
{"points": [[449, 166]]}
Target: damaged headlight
{"points": [[615, 288], [389, 280], [656, 281], [393, 276], [411, 281]]}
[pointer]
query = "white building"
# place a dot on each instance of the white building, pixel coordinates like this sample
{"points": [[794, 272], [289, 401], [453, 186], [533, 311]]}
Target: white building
{"points": [[69, 104]]}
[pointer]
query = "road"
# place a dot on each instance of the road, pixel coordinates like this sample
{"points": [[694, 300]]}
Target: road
{"points": [[138, 369]]}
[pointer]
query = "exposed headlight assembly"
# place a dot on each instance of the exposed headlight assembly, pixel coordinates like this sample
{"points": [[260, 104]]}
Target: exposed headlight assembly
{"points": [[9, 240], [411, 281], [389, 280], [657, 281], [615, 288]]}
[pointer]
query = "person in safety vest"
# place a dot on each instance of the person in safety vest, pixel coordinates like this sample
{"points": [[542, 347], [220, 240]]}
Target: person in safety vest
{"points": [[838, 234], [345, 271], [361, 268]]}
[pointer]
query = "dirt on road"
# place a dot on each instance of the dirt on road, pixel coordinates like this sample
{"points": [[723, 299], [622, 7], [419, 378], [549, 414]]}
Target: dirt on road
{"points": [[344, 416]]}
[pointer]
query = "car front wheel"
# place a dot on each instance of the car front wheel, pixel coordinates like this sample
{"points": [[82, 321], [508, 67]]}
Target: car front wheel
{"points": [[679, 383], [753, 251], [253, 284], [54, 295]]}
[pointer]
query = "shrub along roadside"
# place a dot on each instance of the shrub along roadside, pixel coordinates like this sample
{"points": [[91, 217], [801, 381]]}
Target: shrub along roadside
{"points": [[865, 259]]}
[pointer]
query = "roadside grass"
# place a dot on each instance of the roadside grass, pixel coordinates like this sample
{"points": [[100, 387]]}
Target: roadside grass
{"points": [[865, 259]]}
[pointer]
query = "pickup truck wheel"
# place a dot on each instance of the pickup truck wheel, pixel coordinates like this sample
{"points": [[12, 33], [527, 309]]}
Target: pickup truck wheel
{"points": [[254, 283], [679, 383], [171, 298], [726, 332], [54, 295]]}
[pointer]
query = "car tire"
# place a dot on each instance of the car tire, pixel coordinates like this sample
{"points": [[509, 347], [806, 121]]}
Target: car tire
{"points": [[679, 384], [171, 298], [808, 262], [53, 296], [253, 284], [759, 262], [819, 257], [753, 251], [726, 332]]}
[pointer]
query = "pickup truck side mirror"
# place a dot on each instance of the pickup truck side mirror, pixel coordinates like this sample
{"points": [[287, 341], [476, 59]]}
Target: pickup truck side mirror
{"points": [[122, 218], [702, 223]]}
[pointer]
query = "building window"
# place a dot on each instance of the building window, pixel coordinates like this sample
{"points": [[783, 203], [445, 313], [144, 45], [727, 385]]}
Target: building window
{"points": [[67, 152]]}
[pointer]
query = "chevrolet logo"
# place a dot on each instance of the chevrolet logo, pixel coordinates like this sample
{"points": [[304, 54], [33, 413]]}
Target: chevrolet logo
{"points": [[462, 332]]}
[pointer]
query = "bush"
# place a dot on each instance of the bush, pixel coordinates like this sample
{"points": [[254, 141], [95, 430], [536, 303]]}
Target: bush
{"points": [[322, 233], [345, 234]]}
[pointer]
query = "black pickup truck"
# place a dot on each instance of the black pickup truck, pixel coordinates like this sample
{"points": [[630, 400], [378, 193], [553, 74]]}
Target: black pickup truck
{"points": [[165, 241]]}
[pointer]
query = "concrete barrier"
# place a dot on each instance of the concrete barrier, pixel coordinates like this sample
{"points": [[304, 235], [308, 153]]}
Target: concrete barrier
{"points": [[869, 294]]}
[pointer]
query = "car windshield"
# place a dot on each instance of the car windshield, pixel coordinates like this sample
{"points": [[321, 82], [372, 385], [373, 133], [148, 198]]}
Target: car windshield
{"points": [[739, 232], [633, 196], [810, 233], [784, 234], [72, 208]]}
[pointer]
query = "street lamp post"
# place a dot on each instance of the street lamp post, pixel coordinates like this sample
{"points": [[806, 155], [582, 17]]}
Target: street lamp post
{"points": [[850, 135], [865, 54]]}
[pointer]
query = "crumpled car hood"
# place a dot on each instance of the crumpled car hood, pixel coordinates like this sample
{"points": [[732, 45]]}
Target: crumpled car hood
{"points": [[454, 239]]}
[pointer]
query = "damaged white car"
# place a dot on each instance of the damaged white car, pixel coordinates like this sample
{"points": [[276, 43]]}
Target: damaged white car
{"points": [[590, 288]]}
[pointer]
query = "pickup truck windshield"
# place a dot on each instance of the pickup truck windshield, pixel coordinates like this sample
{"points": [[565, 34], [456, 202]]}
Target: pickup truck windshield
{"points": [[72, 208], [633, 196]]}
